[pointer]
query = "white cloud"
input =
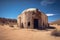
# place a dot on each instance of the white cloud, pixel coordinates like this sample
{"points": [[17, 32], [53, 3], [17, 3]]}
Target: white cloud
{"points": [[47, 2], [50, 14]]}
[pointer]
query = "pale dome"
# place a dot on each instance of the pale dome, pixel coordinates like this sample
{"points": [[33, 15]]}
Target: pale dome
{"points": [[30, 9]]}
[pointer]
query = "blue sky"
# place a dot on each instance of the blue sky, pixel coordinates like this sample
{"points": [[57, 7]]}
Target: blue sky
{"points": [[12, 8]]}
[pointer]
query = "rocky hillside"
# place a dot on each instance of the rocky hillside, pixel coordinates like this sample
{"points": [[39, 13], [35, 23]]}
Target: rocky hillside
{"points": [[8, 21], [56, 22]]}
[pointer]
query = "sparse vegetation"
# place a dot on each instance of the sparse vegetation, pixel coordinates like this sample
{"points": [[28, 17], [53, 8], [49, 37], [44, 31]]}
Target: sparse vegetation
{"points": [[8, 21], [11, 26], [56, 33]]}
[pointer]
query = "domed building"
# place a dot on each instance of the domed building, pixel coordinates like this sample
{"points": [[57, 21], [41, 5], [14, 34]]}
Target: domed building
{"points": [[32, 18]]}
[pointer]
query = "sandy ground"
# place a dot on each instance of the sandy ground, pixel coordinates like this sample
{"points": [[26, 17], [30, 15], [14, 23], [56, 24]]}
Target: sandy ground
{"points": [[8, 33]]}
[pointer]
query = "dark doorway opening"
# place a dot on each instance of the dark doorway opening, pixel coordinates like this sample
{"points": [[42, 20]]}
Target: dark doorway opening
{"points": [[36, 23]]}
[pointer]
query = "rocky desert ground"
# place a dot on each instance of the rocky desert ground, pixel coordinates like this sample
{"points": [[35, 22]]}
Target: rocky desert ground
{"points": [[10, 33]]}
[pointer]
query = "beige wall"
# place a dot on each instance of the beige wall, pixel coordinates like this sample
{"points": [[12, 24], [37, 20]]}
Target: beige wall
{"points": [[44, 20], [29, 16]]}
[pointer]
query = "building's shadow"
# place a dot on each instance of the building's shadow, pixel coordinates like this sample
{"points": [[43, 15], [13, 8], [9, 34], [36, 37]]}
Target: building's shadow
{"points": [[45, 28], [51, 27]]}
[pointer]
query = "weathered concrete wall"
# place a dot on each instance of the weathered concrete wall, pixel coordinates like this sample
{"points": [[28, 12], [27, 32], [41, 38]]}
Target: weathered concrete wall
{"points": [[29, 16], [44, 20]]}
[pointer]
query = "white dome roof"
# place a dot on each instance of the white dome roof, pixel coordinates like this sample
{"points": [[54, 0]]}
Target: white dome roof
{"points": [[30, 9]]}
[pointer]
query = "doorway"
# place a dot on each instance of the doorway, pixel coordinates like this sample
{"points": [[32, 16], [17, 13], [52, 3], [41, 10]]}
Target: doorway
{"points": [[36, 23]]}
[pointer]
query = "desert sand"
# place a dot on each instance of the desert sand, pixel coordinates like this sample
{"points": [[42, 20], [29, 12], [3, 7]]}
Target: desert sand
{"points": [[9, 33]]}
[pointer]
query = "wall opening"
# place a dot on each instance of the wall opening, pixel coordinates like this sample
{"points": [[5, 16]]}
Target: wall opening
{"points": [[22, 26], [28, 23], [36, 23], [43, 24]]}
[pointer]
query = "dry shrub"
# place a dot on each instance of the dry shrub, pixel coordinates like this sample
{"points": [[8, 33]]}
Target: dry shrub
{"points": [[56, 33], [11, 26]]}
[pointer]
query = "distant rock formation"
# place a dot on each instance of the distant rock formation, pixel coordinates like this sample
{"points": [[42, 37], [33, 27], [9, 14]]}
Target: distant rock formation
{"points": [[8, 21], [55, 22]]}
